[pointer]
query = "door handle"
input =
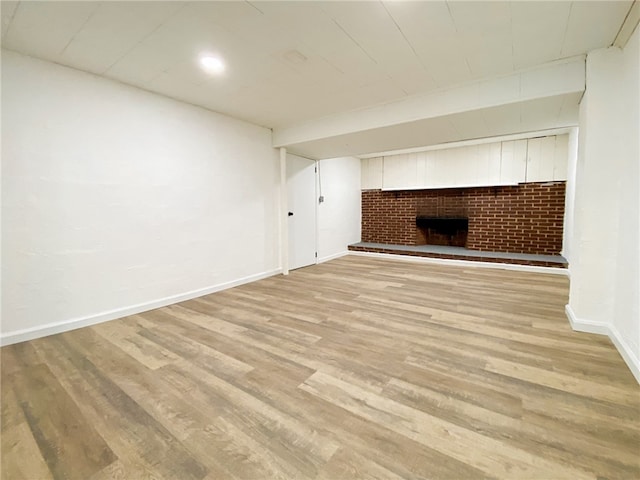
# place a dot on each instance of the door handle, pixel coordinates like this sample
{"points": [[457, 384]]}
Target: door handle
{"points": [[290, 214]]}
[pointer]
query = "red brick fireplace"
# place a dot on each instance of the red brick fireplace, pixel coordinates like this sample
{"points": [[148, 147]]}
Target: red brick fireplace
{"points": [[527, 218]]}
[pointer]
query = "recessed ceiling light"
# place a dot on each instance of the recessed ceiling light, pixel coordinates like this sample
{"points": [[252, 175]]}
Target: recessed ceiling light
{"points": [[212, 64]]}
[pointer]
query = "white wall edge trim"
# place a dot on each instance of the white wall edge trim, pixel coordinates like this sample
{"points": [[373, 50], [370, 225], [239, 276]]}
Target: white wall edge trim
{"points": [[333, 257], [465, 263], [590, 326], [67, 325]]}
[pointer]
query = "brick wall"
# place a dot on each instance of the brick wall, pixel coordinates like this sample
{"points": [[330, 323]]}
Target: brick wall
{"points": [[442, 203], [527, 218], [389, 217]]}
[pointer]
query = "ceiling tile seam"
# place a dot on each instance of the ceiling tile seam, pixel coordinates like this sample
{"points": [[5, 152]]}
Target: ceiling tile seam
{"points": [[315, 52], [566, 29], [139, 42], [634, 11], [13, 15], [251, 3], [73, 37], [326, 60], [451, 15], [408, 43], [513, 53], [354, 40], [466, 61]]}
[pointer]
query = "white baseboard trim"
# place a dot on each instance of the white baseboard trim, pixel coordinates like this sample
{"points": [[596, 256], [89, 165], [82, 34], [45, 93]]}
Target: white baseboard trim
{"points": [[589, 326], [64, 326], [333, 257], [627, 354], [464, 263]]}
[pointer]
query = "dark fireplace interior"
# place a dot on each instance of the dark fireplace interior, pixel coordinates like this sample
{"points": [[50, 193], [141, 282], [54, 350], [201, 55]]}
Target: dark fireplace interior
{"points": [[442, 231], [442, 220]]}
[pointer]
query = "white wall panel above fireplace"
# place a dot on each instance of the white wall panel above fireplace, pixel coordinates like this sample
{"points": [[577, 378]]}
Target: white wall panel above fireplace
{"points": [[513, 162], [547, 158], [371, 173], [485, 168], [487, 164], [400, 173], [468, 166]]}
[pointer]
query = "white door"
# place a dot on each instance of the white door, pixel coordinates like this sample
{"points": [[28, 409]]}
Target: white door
{"points": [[301, 199]]}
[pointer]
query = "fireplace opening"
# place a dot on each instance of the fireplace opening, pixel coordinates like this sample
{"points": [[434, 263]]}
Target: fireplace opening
{"points": [[450, 231], [442, 219]]}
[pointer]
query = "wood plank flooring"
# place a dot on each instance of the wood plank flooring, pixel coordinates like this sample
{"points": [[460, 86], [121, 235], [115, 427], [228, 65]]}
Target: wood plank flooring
{"points": [[356, 368]]}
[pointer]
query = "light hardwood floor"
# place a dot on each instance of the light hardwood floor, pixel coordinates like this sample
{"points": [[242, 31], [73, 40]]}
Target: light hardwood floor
{"points": [[356, 368]]}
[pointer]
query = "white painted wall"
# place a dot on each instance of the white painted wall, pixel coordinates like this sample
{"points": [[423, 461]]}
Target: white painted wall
{"points": [[340, 214], [116, 200], [605, 258]]}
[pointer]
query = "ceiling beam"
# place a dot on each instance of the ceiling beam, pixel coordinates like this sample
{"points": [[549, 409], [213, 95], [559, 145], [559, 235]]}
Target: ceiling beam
{"points": [[558, 78]]}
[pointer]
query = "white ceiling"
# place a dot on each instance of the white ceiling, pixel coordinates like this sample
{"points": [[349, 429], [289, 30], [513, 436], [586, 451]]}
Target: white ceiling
{"points": [[358, 54]]}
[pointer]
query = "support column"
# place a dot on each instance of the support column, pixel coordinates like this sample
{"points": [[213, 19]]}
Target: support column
{"points": [[284, 222]]}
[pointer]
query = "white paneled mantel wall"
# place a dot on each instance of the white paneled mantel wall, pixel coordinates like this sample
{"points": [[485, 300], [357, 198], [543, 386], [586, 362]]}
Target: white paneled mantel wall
{"points": [[507, 162]]}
